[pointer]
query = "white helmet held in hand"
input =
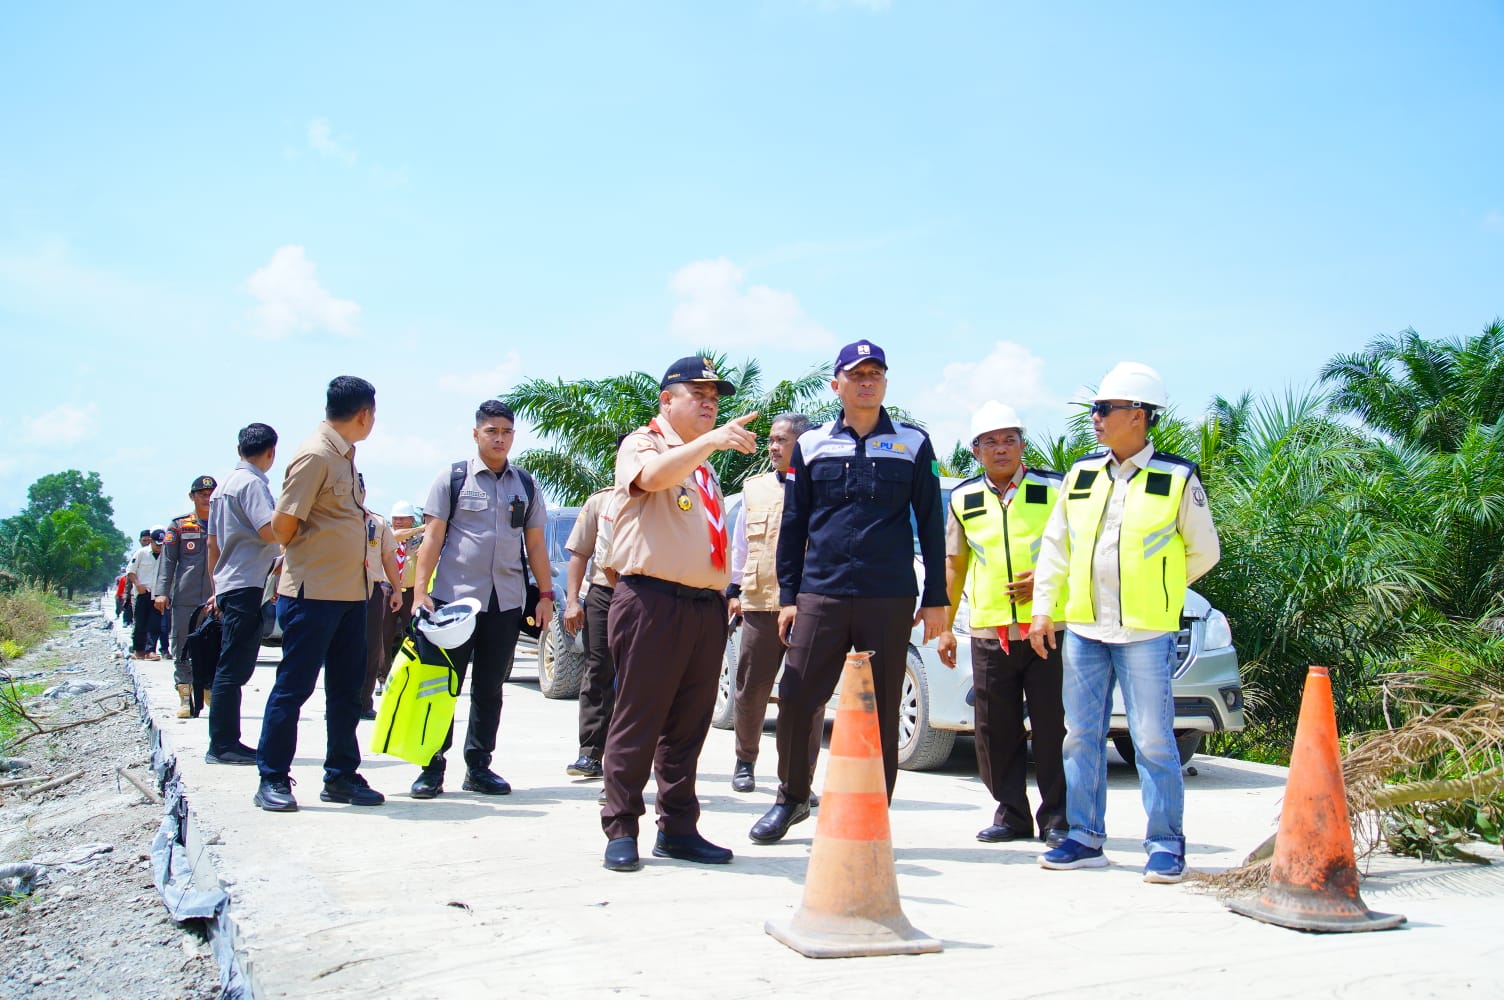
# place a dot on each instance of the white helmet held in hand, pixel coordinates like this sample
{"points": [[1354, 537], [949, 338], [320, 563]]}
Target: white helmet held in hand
{"points": [[994, 416], [1135, 382], [451, 625]]}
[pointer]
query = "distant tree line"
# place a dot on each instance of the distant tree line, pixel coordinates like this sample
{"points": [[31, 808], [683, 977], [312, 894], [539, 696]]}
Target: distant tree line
{"points": [[65, 538]]}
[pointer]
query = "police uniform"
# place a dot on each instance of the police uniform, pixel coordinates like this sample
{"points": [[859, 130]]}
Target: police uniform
{"points": [[999, 532], [667, 632], [846, 561], [183, 577]]}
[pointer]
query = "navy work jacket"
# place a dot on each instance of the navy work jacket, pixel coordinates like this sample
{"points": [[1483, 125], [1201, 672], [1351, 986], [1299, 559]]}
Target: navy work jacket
{"points": [[846, 501]]}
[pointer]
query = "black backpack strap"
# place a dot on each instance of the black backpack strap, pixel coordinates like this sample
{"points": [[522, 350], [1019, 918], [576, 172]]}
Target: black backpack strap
{"points": [[457, 473]]}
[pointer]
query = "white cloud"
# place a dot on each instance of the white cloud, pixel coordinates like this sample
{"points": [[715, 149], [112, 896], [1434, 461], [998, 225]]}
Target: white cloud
{"points": [[293, 301], [717, 308], [1010, 374], [322, 140], [484, 384], [62, 425]]}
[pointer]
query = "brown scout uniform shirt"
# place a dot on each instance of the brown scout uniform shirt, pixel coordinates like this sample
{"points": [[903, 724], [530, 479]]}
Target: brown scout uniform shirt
{"points": [[663, 534], [326, 559], [380, 543]]}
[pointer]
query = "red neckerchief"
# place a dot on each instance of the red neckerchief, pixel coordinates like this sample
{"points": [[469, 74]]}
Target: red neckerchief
{"points": [[705, 481]]}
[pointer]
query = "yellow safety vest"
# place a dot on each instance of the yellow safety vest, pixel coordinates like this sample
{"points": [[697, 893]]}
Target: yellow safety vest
{"points": [[1151, 551], [1004, 542]]}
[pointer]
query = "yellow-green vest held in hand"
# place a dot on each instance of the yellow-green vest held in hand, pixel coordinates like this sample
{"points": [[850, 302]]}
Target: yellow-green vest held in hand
{"points": [[1004, 543], [1151, 552], [416, 707]]}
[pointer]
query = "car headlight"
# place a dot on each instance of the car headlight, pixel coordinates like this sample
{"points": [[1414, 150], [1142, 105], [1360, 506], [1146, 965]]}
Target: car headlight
{"points": [[1218, 632]]}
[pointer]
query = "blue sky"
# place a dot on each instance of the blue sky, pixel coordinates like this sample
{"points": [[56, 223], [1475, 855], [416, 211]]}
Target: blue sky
{"points": [[206, 212]]}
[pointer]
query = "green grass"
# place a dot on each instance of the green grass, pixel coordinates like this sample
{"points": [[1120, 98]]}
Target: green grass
{"points": [[11, 723], [26, 618]]}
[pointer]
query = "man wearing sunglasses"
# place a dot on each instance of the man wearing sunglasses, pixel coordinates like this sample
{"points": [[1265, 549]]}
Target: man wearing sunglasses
{"points": [[1131, 531]]}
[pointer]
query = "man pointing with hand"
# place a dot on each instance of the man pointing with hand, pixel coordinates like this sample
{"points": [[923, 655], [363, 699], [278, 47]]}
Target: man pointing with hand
{"points": [[667, 623]]}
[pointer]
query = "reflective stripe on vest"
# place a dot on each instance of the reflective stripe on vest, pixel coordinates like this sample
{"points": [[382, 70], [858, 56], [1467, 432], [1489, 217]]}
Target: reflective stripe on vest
{"points": [[1151, 551], [762, 513], [1004, 543]]}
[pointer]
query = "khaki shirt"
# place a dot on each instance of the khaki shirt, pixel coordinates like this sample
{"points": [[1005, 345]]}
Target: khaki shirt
{"points": [[592, 533], [663, 534], [1194, 522], [380, 543], [326, 559], [410, 562]]}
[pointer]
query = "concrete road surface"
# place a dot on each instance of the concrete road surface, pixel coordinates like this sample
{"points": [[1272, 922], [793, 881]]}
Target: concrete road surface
{"points": [[470, 896]]}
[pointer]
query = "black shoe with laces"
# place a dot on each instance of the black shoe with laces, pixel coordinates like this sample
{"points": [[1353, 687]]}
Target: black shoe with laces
{"points": [[235, 755], [430, 783], [275, 795], [485, 781], [585, 767], [352, 790]]}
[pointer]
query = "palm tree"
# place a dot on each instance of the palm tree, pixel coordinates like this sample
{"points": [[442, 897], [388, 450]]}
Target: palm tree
{"points": [[1422, 391]]}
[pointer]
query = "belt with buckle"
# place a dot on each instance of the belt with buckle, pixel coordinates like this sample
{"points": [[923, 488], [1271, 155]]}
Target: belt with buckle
{"points": [[670, 587]]}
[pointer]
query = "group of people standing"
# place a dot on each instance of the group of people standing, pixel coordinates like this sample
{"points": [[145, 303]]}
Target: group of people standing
{"points": [[1076, 581]]}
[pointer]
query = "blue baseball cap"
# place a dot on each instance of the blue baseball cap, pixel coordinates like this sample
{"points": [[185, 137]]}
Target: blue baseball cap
{"points": [[854, 354]]}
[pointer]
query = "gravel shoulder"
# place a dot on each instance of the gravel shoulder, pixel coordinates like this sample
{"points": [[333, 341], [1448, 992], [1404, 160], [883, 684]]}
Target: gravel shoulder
{"points": [[95, 926]]}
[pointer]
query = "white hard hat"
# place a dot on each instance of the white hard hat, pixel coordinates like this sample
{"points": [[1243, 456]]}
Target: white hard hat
{"points": [[158, 527], [402, 509], [451, 625], [1135, 382], [994, 416]]}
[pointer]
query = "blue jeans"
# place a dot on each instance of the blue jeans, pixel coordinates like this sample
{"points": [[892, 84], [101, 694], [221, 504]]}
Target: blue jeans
{"points": [[1143, 670], [327, 635]]}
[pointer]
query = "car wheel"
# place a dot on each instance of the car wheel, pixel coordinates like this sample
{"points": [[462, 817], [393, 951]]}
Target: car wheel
{"points": [[560, 662], [920, 747], [1187, 740], [724, 716]]}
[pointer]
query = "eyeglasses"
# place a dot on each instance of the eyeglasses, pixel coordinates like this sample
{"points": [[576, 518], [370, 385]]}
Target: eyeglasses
{"points": [[1102, 409]]}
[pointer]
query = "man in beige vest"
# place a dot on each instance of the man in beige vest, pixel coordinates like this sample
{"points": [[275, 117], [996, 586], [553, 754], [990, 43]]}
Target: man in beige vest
{"points": [[753, 597]]}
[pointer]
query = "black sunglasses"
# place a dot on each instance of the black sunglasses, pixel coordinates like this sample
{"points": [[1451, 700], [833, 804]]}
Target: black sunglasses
{"points": [[1102, 409]]}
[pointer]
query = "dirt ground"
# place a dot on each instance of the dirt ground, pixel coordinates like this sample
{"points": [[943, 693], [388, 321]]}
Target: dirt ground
{"points": [[95, 926]]}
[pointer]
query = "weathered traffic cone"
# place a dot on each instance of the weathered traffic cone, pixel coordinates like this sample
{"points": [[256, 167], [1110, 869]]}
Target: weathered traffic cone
{"points": [[1313, 884], [850, 906]]}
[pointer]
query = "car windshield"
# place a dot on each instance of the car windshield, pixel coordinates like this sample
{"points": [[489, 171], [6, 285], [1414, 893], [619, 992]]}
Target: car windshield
{"points": [[559, 527]]}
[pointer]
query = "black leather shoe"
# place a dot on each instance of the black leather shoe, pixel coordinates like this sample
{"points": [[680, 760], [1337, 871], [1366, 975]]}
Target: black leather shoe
{"points": [[690, 847], [776, 822], [351, 789], [275, 795], [1054, 838], [814, 801], [742, 779], [621, 854], [1000, 835], [430, 783], [485, 781], [585, 767], [231, 756]]}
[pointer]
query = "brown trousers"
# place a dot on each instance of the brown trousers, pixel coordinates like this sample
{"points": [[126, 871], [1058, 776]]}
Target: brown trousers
{"points": [[378, 657], [757, 661], [668, 653], [1003, 681], [825, 631]]}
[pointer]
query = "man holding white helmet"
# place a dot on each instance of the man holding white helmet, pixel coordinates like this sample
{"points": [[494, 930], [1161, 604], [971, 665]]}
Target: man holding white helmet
{"points": [[484, 517], [1131, 531], [992, 538]]}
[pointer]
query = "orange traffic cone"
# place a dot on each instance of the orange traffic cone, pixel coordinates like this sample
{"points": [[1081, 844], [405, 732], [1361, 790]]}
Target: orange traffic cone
{"points": [[850, 906], [1313, 883]]}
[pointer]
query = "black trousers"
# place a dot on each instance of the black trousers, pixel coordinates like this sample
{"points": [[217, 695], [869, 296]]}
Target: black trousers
{"points": [[826, 629], [1003, 681], [668, 653], [491, 649], [240, 641], [146, 632], [598, 685]]}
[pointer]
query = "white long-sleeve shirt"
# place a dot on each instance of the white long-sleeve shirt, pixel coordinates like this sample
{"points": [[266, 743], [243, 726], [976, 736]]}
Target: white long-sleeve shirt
{"points": [[1194, 522]]}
